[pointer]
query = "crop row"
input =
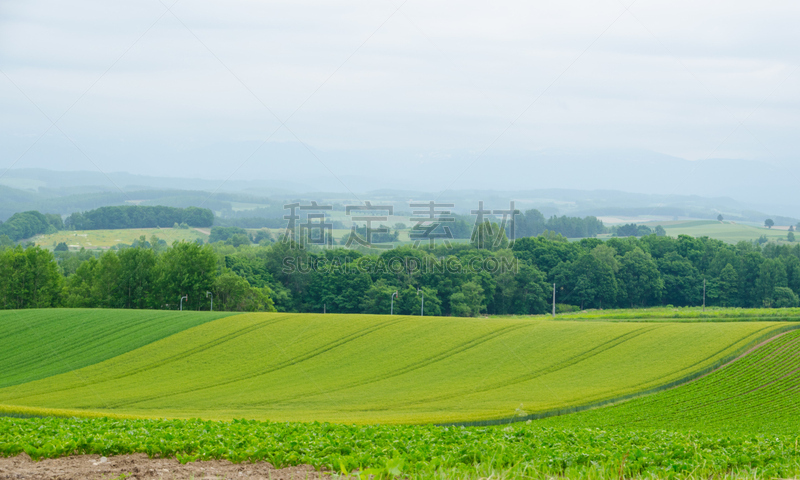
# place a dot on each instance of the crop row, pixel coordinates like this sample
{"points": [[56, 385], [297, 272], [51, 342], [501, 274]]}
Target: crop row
{"points": [[415, 450], [673, 314], [42, 343], [364, 368], [758, 392]]}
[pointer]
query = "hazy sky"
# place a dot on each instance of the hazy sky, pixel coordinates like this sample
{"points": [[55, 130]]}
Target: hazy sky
{"points": [[193, 87]]}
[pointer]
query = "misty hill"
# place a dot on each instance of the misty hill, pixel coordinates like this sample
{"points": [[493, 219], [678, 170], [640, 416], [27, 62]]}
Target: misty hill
{"points": [[65, 193]]}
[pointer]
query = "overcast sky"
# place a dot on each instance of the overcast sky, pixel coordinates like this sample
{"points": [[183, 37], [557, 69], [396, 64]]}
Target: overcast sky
{"points": [[196, 88]]}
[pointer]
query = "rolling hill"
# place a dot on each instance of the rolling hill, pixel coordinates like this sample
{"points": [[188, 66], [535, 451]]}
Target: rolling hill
{"points": [[42, 343], [758, 392], [364, 368]]}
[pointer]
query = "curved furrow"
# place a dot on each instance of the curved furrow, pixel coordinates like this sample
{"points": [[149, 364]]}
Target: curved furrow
{"points": [[583, 356], [471, 344], [286, 363], [761, 386]]}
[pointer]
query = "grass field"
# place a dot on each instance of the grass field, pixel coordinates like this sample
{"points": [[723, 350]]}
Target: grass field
{"points": [[366, 369], [96, 239], [741, 420], [759, 392], [42, 343], [726, 231], [683, 314]]}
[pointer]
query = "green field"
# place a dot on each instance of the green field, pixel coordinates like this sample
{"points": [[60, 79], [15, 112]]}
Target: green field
{"points": [[732, 413], [683, 314], [408, 451], [758, 392], [97, 239], [729, 232], [367, 369], [42, 343]]}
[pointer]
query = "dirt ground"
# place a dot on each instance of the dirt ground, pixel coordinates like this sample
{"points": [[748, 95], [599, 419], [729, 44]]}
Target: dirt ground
{"points": [[139, 466]]}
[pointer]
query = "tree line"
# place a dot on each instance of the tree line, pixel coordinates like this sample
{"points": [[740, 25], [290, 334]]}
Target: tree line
{"points": [[139, 216], [27, 224], [136, 277], [461, 280]]}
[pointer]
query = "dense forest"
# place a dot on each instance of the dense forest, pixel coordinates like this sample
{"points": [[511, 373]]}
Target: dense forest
{"points": [[484, 276], [27, 224], [138, 216]]}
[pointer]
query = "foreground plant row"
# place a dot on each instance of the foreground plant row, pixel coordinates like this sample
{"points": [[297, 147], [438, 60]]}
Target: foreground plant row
{"points": [[415, 450]]}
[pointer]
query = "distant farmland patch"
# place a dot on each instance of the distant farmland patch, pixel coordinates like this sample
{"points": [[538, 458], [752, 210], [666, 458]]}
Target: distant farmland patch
{"points": [[729, 232], [102, 239]]}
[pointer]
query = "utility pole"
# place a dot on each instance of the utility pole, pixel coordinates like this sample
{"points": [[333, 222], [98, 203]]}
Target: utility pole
{"points": [[324, 308], [704, 294], [554, 301], [185, 297], [394, 294], [422, 306], [209, 294]]}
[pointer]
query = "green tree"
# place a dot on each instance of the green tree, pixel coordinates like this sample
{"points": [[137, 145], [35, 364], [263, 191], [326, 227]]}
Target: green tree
{"points": [[340, 287], [790, 236], [30, 278], [727, 286], [185, 269], [641, 281], [659, 231], [468, 302], [771, 274], [95, 284], [792, 265], [234, 293], [683, 284], [720, 217], [137, 277], [290, 266], [627, 230], [588, 282], [377, 300], [489, 236], [607, 255], [769, 223], [79, 285], [105, 289], [749, 259], [784, 297], [139, 216], [238, 240], [410, 301], [263, 237], [521, 289], [532, 292], [543, 253]]}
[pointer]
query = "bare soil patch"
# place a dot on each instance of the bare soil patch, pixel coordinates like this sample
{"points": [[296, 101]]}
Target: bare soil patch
{"points": [[139, 466]]}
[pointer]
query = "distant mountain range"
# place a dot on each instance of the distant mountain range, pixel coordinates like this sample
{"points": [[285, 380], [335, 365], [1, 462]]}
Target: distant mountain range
{"points": [[67, 192], [278, 168]]}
